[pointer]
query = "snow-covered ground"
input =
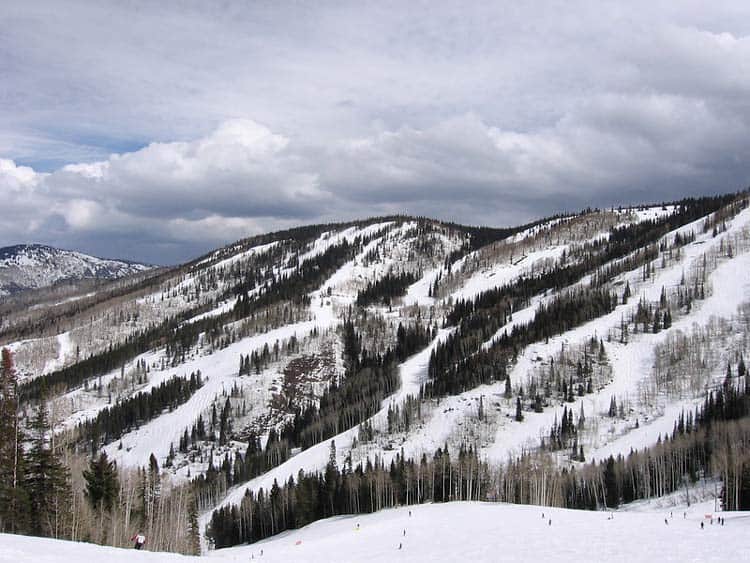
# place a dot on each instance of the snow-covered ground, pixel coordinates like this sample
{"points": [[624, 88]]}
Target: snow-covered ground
{"points": [[458, 531]]}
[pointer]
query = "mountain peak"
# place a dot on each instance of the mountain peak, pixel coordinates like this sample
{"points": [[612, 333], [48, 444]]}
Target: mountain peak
{"points": [[34, 265]]}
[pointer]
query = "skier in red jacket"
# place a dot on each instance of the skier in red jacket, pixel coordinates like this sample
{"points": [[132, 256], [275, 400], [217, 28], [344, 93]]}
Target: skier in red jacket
{"points": [[139, 540]]}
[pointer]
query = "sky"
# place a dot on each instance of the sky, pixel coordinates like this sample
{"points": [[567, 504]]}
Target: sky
{"points": [[157, 131]]}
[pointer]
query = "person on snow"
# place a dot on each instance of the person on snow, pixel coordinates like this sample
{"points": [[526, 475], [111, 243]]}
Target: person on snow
{"points": [[139, 540]]}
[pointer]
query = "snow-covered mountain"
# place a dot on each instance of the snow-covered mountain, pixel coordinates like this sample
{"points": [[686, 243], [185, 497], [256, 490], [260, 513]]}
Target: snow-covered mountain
{"points": [[614, 322], [33, 266]]}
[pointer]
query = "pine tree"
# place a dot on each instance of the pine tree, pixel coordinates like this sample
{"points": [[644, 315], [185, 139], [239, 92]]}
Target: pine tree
{"points": [[102, 484], [611, 495], [331, 479], [150, 494], [14, 508], [47, 481], [626, 293], [194, 532]]}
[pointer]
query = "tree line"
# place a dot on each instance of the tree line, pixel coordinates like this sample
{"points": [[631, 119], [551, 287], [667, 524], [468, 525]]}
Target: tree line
{"points": [[359, 489]]}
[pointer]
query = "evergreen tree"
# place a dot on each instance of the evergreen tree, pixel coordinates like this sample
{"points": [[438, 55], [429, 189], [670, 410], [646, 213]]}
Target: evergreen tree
{"points": [[612, 408], [150, 493], [331, 478], [626, 293], [47, 481], [102, 485], [194, 532], [14, 509], [610, 484]]}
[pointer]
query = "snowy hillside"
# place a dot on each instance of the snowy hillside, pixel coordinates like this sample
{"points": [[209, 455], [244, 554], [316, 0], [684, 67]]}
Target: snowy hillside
{"points": [[392, 348], [461, 531], [33, 266], [627, 374]]}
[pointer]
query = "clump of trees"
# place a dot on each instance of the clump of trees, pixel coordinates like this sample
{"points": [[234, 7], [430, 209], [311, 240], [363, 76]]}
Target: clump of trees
{"points": [[47, 490], [115, 420], [384, 290], [35, 490]]}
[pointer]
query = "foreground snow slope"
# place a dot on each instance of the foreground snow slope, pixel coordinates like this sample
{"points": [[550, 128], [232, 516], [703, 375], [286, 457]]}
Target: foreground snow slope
{"points": [[459, 531]]}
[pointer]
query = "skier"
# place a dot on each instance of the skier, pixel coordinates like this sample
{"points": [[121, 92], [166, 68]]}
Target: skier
{"points": [[666, 522], [139, 540], [701, 525], [550, 522], [400, 545], [404, 531]]}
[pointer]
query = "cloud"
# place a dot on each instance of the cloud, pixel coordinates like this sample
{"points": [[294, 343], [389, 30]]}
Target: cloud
{"points": [[240, 169], [242, 178], [156, 133], [611, 149], [226, 184], [17, 178]]}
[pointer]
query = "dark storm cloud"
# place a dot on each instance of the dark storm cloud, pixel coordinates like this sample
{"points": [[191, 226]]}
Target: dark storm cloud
{"points": [[156, 132]]}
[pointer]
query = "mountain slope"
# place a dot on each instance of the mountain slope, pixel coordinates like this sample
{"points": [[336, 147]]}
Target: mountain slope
{"points": [[33, 266], [385, 340]]}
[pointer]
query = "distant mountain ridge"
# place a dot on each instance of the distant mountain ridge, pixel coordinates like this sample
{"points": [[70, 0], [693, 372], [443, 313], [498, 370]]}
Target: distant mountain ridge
{"points": [[34, 266]]}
